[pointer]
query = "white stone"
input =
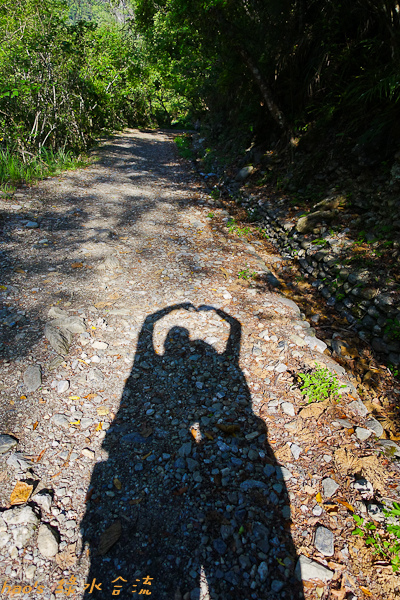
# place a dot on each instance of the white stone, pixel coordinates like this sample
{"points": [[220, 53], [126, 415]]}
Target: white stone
{"points": [[88, 453], [62, 386], [4, 538], [20, 516], [363, 434], [47, 541], [307, 569], [99, 345], [288, 409], [44, 500]]}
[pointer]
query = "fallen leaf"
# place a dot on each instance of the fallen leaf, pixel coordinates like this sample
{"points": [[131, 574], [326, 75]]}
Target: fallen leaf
{"points": [[109, 537], [194, 433], [35, 425], [230, 429], [75, 422], [314, 410], [103, 304], [374, 472], [346, 462], [318, 498], [74, 397], [39, 458], [89, 494], [102, 411], [99, 426], [135, 501], [209, 436], [82, 361], [19, 271], [146, 455], [117, 483], [22, 397], [21, 493], [146, 432], [77, 265], [344, 503], [283, 454], [90, 396], [365, 590], [67, 557], [181, 491]]}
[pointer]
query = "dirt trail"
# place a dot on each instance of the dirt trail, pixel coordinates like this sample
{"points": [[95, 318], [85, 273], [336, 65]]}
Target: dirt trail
{"points": [[153, 398]]}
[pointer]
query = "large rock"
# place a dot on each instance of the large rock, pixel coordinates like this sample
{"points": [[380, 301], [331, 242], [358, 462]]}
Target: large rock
{"points": [[307, 223], [244, 173], [26, 520], [59, 339], [307, 569], [47, 541], [33, 378], [7, 442], [72, 324]]}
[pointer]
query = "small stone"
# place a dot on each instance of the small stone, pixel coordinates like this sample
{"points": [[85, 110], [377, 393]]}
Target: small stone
{"points": [[363, 434], [60, 421], [358, 407], [31, 225], [33, 378], [324, 541], [85, 423], [7, 442], [262, 571], [296, 451], [220, 546], [288, 409], [17, 461], [99, 345], [329, 487], [88, 453], [30, 572], [317, 510], [281, 368], [269, 470], [392, 448], [375, 511], [185, 449], [62, 386], [47, 541], [307, 569], [283, 473], [375, 426], [251, 484], [4, 538], [315, 344], [43, 499]]}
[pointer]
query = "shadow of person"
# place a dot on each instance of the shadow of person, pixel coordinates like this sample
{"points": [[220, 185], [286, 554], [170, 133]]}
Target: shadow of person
{"points": [[203, 510]]}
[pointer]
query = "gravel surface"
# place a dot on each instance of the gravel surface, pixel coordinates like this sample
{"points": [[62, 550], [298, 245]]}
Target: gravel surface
{"points": [[153, 436]]}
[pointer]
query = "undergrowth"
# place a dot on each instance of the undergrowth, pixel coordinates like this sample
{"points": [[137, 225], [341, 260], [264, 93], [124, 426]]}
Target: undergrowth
{"points": [[319, 384], [14, 169]]}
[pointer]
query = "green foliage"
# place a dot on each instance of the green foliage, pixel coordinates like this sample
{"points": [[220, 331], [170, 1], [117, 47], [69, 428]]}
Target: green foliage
{"points": [[247, 274], [386, 542], [392, 329], [184, 146], [319, 385], [234, 228], [45, 163]]}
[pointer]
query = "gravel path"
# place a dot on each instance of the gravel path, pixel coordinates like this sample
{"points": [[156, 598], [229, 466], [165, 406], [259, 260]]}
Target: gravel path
{"points": [[154, 437]]}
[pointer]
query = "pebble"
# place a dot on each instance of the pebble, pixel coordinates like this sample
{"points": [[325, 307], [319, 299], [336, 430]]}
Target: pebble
{"points": [[31, 225], [329, 487], [62, 386], [33, 378], [324, 541], [288, 409], [89, 453], [262, 571], [7, 442], [317, 510], [375, 426], [47, 541], [60, 421], [99, 345], [363, 434], [281, 368], [43, 499], [307, 569], [358, 408], [296, 451]]}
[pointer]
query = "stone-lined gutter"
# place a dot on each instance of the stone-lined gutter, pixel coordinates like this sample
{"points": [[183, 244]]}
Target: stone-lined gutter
{"points": [[371, 311]]}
